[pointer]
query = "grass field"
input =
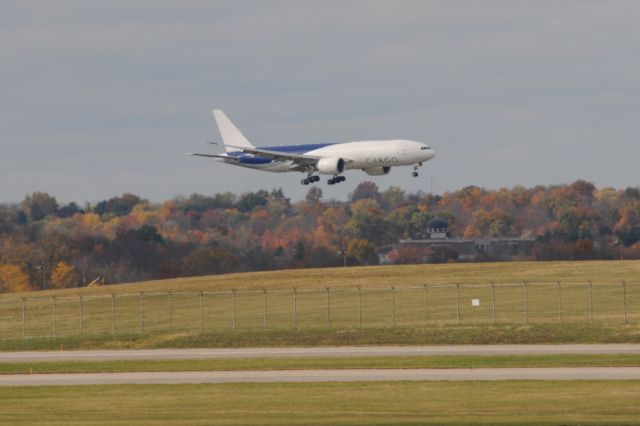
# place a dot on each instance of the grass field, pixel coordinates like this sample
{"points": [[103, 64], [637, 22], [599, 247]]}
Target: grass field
{"points": [[382, 276], [436, 335], [121, 309], [377, 315], [385, 403], [618, 360]]}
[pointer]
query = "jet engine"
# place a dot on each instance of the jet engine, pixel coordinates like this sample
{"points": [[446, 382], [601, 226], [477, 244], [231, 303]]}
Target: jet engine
{"points": [[377, 171], [331, 166]]}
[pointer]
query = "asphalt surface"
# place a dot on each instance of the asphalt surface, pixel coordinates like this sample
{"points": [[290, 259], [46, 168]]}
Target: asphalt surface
{"points": [[343, 351], [301, 376]]}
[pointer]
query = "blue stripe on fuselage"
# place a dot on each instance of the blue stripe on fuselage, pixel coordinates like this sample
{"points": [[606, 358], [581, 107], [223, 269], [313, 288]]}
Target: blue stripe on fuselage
{"points": [[297, 149], [291, 149]]}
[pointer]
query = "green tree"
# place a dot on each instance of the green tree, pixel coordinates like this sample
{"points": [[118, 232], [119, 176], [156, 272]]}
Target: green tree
{"points": [[362, 251], [209, 260], [39, 205], [364, 190]]}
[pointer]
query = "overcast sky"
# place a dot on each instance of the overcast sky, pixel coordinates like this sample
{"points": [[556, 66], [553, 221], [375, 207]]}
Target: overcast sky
{"points": [[101, 98]]}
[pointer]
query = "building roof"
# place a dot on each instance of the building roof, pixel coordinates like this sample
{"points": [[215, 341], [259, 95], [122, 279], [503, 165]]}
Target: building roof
{"points": [[437, 223]]}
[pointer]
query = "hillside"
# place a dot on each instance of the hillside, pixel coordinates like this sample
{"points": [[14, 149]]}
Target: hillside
{"points": [[379, 276]]}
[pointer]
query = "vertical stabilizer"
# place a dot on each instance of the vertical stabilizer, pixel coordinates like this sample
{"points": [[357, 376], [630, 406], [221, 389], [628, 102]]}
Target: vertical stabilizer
{"points": [[231, 136]]}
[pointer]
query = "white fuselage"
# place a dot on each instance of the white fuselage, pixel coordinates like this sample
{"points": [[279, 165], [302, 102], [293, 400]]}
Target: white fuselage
{"points": [[361, 154]]}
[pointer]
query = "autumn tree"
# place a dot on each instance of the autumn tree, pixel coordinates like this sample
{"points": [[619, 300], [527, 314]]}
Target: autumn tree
{"points": [[118, 206], [314, 195], [364, 190], [13, 279], [64, 275]]}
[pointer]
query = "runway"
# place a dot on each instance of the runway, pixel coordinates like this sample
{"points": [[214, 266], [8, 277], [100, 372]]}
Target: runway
{"points": [[303, 376], [342, 351]]}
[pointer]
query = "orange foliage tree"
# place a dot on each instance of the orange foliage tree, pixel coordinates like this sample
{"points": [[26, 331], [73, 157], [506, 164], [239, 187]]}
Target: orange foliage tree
{"points": [[13, 279], [64, 276]]}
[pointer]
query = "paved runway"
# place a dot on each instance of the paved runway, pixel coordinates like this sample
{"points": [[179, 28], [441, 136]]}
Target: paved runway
{"points": [[352, 375], [343, 351]]}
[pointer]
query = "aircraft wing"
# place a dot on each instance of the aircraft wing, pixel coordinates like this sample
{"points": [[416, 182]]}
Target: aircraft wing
{"points": [[222, 156], [297, 159]]}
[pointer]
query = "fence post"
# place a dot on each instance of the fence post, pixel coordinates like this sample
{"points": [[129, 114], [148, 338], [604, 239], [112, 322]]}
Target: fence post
{"points": [[53, 315], [81, 315], [170, 313], [264, 308], [393, 306], [590, 302], [201, 312], [493, 302], [233, 303], [559, 302], [24, 317], [113, 314], [624, 299], [526, 302], [457, 303], [141, 313], [295, 308], [328, 308], [360, 307], [426, 305]]}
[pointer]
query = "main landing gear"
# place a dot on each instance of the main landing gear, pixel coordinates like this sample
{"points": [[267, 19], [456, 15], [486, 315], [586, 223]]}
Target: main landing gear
{"points": [[336, 179], [310, 179]]}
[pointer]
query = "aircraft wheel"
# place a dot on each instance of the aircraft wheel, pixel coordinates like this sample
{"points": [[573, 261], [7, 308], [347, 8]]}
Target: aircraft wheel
{"points": [[304, 182], [414, 174]]}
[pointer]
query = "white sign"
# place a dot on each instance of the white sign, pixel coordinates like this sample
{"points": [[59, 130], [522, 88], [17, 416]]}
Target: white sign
{"points": [[475, 302]]}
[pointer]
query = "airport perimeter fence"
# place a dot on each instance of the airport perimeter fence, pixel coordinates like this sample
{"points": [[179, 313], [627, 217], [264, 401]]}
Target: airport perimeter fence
{"points": [[329, 308]]}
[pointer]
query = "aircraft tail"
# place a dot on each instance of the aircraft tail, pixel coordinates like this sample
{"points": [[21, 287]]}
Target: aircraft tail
{"points": [[231, 136]]}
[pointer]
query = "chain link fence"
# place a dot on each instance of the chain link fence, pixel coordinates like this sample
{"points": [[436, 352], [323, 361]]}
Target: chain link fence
{"points": [[329, 308]]}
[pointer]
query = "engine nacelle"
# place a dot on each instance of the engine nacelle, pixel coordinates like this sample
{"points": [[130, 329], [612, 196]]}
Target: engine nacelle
{"points": [[377, 171], [331, 166]]}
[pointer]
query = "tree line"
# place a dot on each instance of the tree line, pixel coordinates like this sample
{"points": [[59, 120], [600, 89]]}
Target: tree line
{"points": [[127, 238]]}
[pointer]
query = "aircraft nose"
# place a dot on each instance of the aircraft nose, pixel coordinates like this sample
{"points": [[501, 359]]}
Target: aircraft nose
{"points": [[430, 153]]}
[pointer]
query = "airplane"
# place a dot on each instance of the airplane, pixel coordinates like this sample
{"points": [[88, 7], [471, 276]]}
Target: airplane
{"points": [[374, 157]]}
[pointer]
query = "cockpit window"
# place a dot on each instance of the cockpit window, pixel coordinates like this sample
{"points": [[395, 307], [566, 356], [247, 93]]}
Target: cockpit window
{"points": [[425, 147]]}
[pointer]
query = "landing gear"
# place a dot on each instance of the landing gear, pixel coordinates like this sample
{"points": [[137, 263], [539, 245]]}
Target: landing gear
{"points": [[310, 179], [415, 170], [336, 179]]}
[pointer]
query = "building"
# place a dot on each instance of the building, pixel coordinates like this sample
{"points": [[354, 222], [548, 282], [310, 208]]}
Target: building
{"points": [[439, 246]]}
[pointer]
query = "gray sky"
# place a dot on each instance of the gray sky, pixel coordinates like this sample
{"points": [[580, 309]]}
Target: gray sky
{"points": [[101, 98]]}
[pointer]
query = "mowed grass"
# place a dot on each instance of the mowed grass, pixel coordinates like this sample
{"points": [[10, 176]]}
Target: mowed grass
{"points": [[390, 297], [617, 360], [384, 403], [380, 276], [434, 335]]}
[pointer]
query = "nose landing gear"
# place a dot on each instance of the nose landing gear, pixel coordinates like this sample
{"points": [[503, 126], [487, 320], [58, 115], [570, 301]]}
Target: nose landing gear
{"points": [[415, 170]]}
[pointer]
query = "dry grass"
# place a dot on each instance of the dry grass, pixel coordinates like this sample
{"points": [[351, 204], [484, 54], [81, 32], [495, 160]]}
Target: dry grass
{"points": [[385, 403], [343, 308], [382, 276]]}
